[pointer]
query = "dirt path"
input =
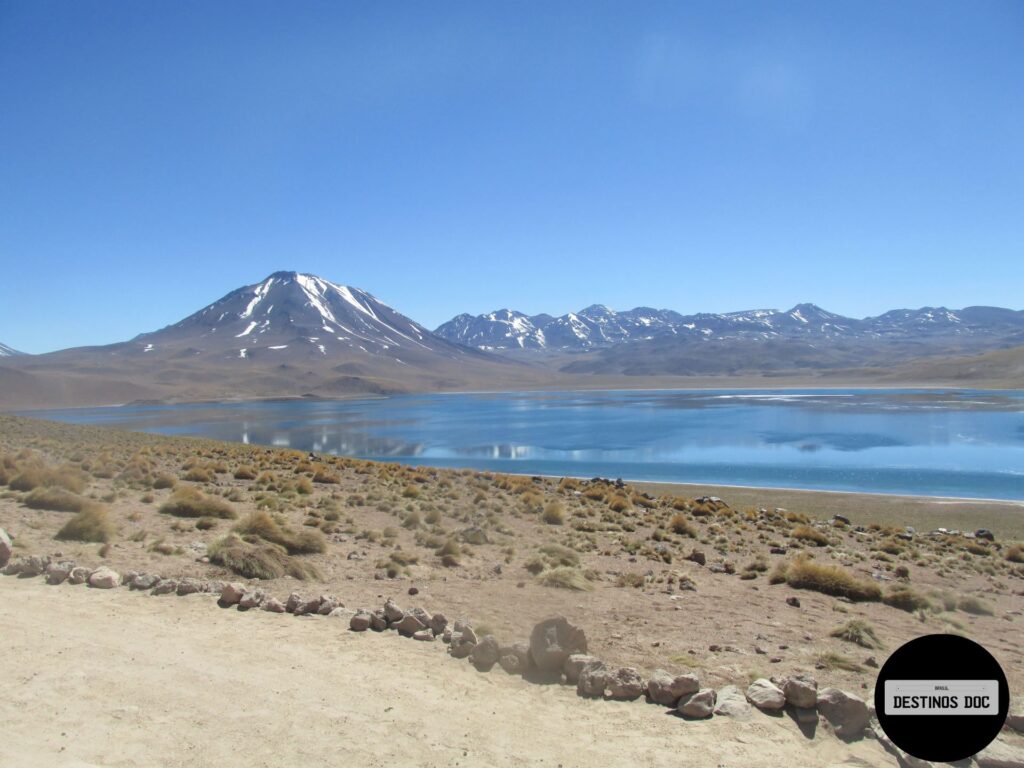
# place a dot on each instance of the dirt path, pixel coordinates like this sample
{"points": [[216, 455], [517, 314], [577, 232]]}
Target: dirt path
{"points": [[94, 678]]}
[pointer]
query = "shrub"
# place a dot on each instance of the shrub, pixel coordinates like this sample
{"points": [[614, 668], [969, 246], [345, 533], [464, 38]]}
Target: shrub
{"points": [[198, 475], [92, 524], [260, 525], [554, 513], [906, 599], [323, 476], [1015, 554], [164, 480], [56, 499], [258, 561], [635, 580], [858, 631], [680, 523], [830, 580], [411, 492], [975, 606], [205, 523], [245, 472], [807, 533], [304, 485], [37, 476], [565, 577], [189, 502]]}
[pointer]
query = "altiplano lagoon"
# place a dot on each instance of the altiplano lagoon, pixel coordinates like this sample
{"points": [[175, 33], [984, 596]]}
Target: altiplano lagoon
{"points": [[961, 443]]}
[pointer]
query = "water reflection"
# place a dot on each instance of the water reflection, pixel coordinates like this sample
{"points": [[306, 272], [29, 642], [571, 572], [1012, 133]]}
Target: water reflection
{"points": [[941, 443]]}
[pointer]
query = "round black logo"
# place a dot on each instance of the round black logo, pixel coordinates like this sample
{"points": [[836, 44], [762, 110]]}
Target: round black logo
{"points": [[941, 698]]}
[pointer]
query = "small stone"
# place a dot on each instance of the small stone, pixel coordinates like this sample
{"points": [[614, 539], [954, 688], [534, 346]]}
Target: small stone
{"points": [[57, 573], [250, 600], [847, 713], [273, 605], [6, 548], [486, 653], [665, 689], [190, 586], [1000, 754], [552, 641], [732, 703], [1015, 719], [438, 623], [104, 578], [339, 613], [144, 582], [793, 601], [697, 705], [765, 695], [801, 692], [424, 635], [409, 625], [293, 602], [593, 679], [360, 622], [806, 715], [305, 607], [625, 684], [698, 557], [515, 658], [33, 565], [413, 591], [378, 622], [232, 593], [871, 662], [574, 665], [327, 604], [392, 612]]}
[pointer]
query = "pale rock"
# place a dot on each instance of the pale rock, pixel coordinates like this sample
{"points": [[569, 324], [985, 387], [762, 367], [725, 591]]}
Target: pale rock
{"points": [[392, 612], [251, 599], [574, 665], [801, 692], [409, 625], [6, 548], [665, 689], [232, 593], [625, 684], [766, 696], [293, 602], [104, 578], [730, 702], [164, 587], [697, 705], [847, 713], [78, 575], [1000, 754], [593, 679], [424, 635], [273, 605], [438, 623], [57, 573]]}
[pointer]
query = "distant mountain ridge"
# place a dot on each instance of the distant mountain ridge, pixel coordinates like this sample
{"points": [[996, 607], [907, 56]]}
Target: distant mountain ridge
{"points": [[598, 327], [6, 351]]}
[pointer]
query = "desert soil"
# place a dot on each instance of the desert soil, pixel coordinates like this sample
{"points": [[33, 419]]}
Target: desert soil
{"points": [[118, 678]]}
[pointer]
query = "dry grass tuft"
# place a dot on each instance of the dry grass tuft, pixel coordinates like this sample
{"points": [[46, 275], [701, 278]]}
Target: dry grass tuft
{"points": [[260, 525], [858, 631], [565, 577], [258, 561], [56, 500], [830, 580], [92, 524], [189, 502]]}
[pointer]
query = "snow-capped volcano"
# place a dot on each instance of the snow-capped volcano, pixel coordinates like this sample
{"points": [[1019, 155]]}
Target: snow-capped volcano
{"points": [[290, 314], [6, 351]]}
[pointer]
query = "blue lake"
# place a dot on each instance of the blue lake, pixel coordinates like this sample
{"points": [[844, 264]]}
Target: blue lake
{"points": [[937, 443]]}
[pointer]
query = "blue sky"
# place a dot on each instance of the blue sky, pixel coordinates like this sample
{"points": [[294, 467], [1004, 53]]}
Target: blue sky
{"points": [[461, 157]]}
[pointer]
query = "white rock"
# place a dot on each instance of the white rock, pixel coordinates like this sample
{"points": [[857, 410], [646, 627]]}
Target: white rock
{"points": [[666, 689], [765, 695], [697, 705], [104, 578]]}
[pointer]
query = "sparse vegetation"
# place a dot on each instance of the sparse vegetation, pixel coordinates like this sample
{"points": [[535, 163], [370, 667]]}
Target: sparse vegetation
{"points": [[858, 631], [92, 524], [189, 502]]}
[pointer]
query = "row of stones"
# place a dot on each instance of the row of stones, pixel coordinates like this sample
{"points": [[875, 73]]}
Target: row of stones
{"points": [[557, 652]]}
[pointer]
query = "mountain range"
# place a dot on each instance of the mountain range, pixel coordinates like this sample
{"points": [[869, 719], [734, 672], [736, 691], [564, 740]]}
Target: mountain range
{"points": [[299, 335], [6, 351], [598, 327]]}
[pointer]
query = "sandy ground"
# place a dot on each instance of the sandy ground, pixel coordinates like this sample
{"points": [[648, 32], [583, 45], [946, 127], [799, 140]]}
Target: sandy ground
{"points": [[94, 678]]}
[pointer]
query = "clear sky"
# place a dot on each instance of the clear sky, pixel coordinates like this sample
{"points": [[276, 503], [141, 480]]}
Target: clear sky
{"points": [[463, 157]]}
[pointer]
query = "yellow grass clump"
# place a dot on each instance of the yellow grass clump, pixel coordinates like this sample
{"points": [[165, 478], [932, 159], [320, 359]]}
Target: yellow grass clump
{"points": [[189, 502], [830, 580], [92, 524]]}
